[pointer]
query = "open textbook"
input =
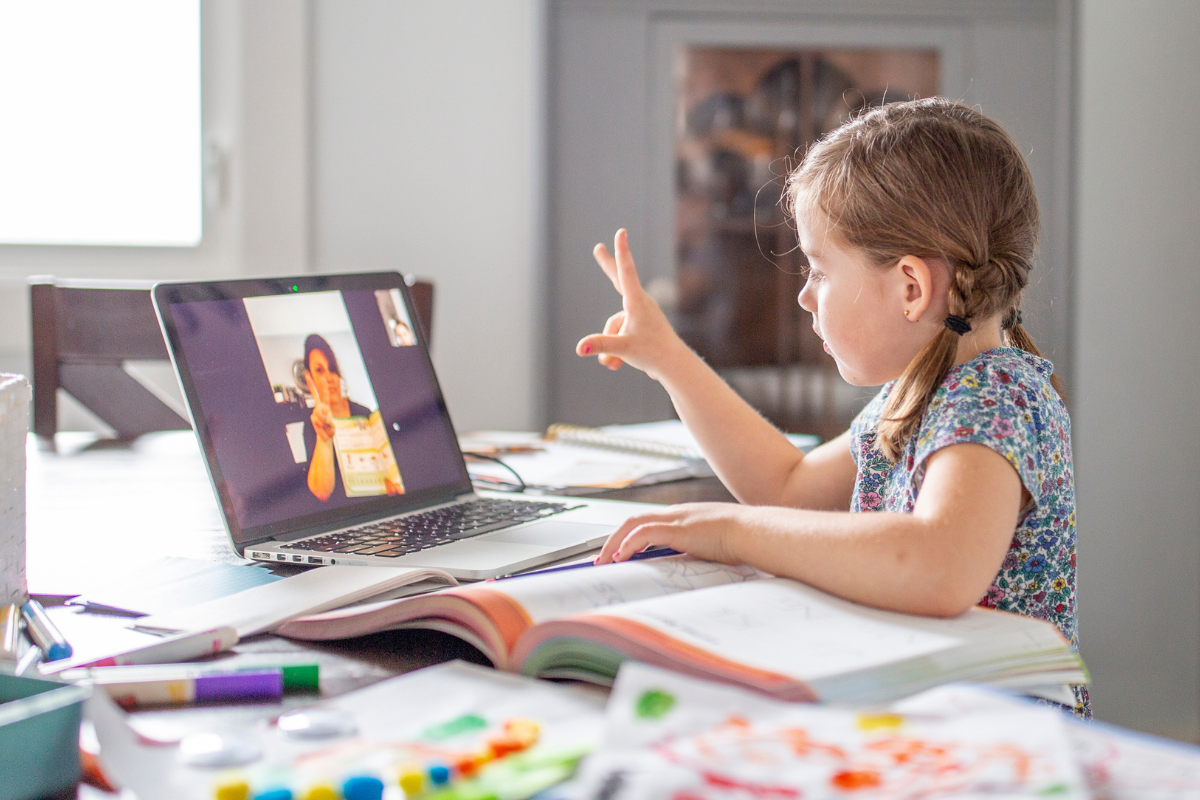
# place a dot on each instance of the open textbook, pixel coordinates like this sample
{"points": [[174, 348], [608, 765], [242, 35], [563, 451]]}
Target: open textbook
{"points": [[732, 624]]}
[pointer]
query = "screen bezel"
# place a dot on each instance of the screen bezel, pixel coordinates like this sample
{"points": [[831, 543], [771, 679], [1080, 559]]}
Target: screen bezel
{"points": [[167, 295]]}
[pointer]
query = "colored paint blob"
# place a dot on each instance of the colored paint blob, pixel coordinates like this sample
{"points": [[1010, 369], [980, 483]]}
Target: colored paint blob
{"points": [[876, 722], [455, 727], [654, 704], [850, 780]]}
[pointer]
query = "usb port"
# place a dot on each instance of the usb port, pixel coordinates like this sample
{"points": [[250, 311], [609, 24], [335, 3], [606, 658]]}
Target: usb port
{"points": [[281, 556], [314, 559], [298, 559]]}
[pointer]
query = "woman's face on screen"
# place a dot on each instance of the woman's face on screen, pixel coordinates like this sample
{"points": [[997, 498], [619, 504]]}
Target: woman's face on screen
{"points": [[327, 382]]}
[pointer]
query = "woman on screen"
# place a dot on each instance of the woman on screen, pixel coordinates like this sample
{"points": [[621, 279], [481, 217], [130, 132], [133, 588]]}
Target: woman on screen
{"points": [[330, 402]]}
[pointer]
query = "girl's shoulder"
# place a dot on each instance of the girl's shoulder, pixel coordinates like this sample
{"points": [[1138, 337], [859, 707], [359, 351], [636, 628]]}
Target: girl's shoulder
{"points": [[1002, 399], [998, 380]]}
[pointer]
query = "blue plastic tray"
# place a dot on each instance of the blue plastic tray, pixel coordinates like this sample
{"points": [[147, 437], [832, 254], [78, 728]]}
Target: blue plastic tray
{"points": [[39, 736]]}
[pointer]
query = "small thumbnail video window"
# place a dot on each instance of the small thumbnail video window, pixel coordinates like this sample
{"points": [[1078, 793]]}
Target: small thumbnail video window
{"points": [[395, 318]]}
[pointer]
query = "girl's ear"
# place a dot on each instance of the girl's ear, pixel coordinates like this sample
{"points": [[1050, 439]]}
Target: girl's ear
{"points": [[916, 279]]}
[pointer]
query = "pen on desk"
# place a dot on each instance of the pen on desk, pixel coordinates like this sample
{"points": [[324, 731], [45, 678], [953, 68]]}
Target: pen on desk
{"points": [[10, 633], [180, 647], [297, 677], [44, 634], [661, 552], [262, 685]]}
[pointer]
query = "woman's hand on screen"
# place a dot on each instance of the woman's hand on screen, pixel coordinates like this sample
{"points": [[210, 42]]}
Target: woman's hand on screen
{"points": [[322, 417], [639, 334]]}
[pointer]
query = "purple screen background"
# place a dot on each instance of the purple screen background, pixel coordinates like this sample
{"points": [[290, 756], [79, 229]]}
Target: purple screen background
{"points": [[247, 426]]}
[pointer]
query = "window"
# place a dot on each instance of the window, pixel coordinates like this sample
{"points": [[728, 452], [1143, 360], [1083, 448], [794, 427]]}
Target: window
{"points": [[101, 141]]}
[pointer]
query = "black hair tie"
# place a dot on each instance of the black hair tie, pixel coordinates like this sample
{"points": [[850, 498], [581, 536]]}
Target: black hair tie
{"points": [[957, 324], [1013, 319]]}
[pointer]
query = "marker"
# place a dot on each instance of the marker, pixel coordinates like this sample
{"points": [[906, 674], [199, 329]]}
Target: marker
{"points": [[32, 656], [266, 685], [43, 632], [10, 633], [661, 552], [301, 677], [180, 647]]}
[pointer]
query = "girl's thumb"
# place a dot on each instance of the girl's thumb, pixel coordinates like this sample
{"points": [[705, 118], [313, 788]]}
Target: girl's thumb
{"points": [[599, 343]]}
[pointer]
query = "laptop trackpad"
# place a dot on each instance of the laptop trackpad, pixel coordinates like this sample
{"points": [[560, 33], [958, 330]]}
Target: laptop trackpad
{"points": [[552, 533]]}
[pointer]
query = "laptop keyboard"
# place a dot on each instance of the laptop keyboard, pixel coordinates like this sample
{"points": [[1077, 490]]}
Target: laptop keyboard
{"points": [[397, 537]]}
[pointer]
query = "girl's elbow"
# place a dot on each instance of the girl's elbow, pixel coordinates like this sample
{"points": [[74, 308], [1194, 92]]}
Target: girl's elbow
{"points": [[945, 602]]}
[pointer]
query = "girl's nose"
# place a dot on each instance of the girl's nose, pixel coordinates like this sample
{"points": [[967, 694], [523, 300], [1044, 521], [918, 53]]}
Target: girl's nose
{"points": [[806, 299]]}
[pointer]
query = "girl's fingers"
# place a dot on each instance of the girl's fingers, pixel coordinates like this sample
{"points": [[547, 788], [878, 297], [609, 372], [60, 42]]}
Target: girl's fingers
{"points": [[608, 264], [613, 543], [598, 343], [642, 537], [627, 276], [612, 327]]}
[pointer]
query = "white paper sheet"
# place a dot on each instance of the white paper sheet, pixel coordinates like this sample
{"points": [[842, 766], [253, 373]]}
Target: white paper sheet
{"points": [[671, 736]]}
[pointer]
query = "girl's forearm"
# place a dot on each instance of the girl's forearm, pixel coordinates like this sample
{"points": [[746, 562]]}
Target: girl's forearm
{"points": [[901, 562]]}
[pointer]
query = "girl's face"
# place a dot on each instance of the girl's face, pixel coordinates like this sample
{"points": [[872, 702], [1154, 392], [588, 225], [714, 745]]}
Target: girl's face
{"points": [[858, 308]]}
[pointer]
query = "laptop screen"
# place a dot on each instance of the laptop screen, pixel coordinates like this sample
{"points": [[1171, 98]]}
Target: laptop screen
{"points": [[315, 400]]}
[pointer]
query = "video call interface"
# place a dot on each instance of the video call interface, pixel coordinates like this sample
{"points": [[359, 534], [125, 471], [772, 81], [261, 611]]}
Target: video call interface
{"points": [[316, 401]]}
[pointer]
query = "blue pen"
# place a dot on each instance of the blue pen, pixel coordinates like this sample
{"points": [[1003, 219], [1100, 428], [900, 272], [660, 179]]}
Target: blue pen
{"points": [[661, 552], [43, 632]]}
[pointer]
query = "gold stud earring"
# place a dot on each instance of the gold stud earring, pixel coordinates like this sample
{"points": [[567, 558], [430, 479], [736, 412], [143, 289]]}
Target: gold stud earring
{"points": [[906, 312]]}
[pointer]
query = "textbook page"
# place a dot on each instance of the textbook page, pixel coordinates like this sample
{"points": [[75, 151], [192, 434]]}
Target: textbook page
{"points": [[824, 636], [554, 595]]}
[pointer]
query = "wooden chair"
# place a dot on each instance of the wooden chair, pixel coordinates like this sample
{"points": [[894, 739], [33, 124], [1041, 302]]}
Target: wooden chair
{"points": [[85, 331]]}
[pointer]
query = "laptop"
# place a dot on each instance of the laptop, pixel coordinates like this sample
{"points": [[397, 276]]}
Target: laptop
{"points": [[327, 438]]}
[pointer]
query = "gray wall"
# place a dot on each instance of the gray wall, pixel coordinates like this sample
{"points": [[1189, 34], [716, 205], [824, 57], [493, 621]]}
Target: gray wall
{"points": [[1137, 346], [424, 142]]}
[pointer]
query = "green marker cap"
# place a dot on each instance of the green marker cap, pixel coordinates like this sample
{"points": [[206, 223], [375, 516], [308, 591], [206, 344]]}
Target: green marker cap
{"points": [[301, 677]]}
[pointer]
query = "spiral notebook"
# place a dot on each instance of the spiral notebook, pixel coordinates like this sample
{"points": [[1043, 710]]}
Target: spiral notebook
{"points": [[571, 459]]}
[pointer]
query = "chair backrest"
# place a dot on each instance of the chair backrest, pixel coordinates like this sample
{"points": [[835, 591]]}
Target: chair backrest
{"points": [[85, 331], [422, 295]]}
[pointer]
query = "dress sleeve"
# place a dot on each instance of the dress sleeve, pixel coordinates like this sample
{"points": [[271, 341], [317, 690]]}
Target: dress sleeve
{"points": [[988, 407]]}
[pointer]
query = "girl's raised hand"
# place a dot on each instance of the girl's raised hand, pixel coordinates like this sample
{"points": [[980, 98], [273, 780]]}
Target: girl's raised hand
{"points": [[640, 333]]}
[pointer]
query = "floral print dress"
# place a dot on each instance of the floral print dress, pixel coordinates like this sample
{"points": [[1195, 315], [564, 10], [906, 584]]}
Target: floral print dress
{"points": [[1001, 399]]}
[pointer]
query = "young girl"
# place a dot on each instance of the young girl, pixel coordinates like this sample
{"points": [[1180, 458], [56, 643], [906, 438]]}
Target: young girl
{"points": [[919, 222]]}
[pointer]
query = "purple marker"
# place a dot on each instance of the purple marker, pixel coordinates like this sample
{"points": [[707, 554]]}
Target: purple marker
{"points": [[262, 685]]}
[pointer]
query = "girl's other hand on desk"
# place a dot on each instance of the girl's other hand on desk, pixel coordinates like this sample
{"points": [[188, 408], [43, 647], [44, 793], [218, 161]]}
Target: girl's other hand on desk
{"points": [[640, 333], [702, 530]]}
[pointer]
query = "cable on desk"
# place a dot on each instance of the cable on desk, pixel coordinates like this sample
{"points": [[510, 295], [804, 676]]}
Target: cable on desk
{"points": [[520, 484]]}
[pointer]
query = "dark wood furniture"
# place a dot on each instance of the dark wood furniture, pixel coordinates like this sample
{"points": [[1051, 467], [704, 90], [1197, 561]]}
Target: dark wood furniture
{"points": [[85, 331]]}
